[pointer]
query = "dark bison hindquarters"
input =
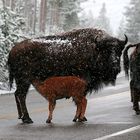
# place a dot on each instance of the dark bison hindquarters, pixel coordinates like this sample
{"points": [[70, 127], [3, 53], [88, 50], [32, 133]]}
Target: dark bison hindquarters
{"points": [[88, 53], [133, 63]]}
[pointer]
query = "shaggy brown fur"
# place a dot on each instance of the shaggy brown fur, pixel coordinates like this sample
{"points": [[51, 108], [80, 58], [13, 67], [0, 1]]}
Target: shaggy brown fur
{"points": [[64, 87]]}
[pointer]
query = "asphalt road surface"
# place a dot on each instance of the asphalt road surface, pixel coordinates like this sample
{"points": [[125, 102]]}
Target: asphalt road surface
{"points": [[109, 113]]}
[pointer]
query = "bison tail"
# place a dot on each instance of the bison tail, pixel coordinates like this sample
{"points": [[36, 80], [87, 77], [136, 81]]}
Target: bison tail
{"points": [[11, 78], [126, 59], [11, 75]]}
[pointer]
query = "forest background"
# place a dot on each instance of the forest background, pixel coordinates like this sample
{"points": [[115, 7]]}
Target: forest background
{"points": [[21, 19]]}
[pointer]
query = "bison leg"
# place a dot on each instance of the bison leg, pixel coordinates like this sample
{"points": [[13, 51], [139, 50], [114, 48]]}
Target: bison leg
{"points": [[83, 110], [78, 104], [25, 116], [132, 89], [20, 97], [18, 106], [136, 101], [51, 109]]}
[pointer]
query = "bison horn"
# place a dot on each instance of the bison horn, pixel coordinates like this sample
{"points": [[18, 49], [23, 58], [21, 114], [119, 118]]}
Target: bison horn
{"points": [[126, 40]]}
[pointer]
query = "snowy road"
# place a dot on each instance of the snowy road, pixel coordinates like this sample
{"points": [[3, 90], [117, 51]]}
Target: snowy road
{"points": [[109, 113]]}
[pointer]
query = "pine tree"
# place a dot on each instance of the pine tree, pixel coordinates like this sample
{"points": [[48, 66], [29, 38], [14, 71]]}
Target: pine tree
{"points": [[121, 29], [11, 26], [29, 10], [63, 15], [86, 19], [133, 21], [54, 16], [102, 20], [71, 14]]}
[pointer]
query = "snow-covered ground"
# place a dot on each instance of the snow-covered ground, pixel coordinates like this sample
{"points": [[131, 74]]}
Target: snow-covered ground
{"points": [[6, 92], [121, 74], [4, 89]]}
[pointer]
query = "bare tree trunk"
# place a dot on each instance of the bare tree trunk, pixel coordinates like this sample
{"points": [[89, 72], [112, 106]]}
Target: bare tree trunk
{"points": [[12, 4], [7, 3], [56, 14], [34, 17], [3, 2], [43, 12], [30, 15]]}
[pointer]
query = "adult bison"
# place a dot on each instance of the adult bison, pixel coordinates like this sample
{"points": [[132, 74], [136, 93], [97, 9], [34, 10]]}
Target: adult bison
{"points": [[88, 53], [134, 65]]}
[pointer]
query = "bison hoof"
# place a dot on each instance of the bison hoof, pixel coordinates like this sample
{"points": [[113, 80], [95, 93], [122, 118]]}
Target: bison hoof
{"points": [[19, 117], [48, 121], [138, 112], [27, 121], [82, 119], [74, 120]]}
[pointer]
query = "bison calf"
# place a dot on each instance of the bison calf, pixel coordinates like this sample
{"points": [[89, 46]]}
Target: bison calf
{"points": [[64, 87]]}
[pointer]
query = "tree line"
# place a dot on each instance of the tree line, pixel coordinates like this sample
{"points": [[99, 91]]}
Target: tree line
{"points": [[20, 19], [130, 24]]}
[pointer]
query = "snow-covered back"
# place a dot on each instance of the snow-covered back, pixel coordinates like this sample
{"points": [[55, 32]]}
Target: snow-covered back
{"points": [[58, 41]]}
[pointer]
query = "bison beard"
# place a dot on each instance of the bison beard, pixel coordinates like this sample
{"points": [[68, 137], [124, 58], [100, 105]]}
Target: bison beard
{"points": [[88, 53], [134, 65]]}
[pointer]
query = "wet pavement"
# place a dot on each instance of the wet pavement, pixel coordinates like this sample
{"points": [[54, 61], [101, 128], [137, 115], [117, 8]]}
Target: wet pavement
{"points": [[109, 113]]}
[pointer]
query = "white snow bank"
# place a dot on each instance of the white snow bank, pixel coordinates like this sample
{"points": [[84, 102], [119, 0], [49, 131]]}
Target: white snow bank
{"points": [[121, 74], [2, 92], [6, 90]]}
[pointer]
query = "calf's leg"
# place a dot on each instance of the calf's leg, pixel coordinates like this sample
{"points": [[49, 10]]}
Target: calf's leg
{"points": [[78, 104], [83, 110], [77, 112], [52, 104]]}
